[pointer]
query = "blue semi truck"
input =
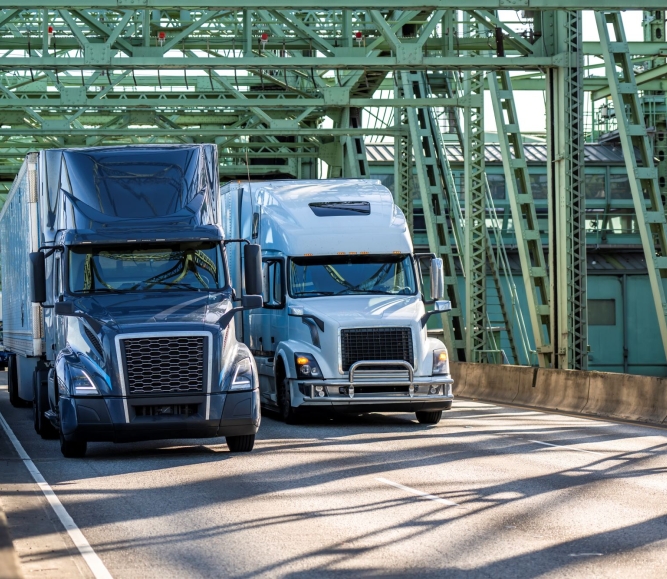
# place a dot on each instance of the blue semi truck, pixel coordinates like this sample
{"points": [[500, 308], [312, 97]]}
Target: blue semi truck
{"points": [[118, 309]]}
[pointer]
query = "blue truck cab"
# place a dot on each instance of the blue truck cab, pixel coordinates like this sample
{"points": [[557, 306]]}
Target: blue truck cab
{"points": [[118, 308]]}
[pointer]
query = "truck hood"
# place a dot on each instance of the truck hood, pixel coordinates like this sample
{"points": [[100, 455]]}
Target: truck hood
{"points": [[365, 310], [119, 310]]}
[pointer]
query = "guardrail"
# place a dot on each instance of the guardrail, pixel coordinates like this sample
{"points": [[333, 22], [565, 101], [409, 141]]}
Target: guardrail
{"points": [[600, 394]]}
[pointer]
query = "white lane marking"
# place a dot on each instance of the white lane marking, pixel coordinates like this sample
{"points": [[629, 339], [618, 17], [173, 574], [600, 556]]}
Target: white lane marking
{"points": [[585, 554], [418, 493], [566, 447], [89, 556]]}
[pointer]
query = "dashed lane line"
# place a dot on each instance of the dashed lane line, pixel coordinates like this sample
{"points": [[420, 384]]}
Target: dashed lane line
{"points": [[421, 494], [565, 447], [98, 568]]}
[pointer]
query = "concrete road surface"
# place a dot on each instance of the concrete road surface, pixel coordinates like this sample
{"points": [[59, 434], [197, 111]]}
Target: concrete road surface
{"points": [[489, 492]]}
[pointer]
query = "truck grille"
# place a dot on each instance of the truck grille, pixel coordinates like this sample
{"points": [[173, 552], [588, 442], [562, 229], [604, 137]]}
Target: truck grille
{"points": [[164, 365], [376, 344]]}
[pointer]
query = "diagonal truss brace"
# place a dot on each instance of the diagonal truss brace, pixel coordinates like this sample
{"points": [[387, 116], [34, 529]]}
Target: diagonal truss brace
{"points": [[526, 226], [649, 209]]}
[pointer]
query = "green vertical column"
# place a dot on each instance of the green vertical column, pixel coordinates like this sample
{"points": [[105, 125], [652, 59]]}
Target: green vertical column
{"points": [[565, 167], [403, 161], [475, 221]]}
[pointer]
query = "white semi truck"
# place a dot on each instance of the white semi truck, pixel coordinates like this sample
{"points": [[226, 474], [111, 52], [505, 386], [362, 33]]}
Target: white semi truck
{"points": [[344, 319]]}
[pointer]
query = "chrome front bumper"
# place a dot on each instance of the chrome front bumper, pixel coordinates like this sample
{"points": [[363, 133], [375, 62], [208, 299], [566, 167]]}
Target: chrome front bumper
{"points": [[358, 390]]}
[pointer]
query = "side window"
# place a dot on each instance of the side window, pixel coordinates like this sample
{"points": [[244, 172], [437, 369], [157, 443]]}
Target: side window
{"points": [[272, 273]]}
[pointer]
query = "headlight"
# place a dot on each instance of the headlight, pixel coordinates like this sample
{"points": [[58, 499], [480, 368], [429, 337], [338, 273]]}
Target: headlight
{"points": [[80, 383], [243, 375], [440, 362], [306, 366]]}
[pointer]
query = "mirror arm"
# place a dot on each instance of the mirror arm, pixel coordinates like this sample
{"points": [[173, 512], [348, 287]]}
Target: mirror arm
{"points": [[427, 316], [224, 320]]}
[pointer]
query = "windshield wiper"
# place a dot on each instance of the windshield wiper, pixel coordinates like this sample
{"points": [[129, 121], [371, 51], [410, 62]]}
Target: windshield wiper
{"points": [[360, 291], [314, 293]]}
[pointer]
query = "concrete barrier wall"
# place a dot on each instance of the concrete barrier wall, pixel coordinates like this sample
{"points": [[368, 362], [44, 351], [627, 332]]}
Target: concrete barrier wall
{"points": [[603, 394]]}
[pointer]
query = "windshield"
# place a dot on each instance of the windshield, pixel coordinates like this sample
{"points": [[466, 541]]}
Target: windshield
{"points": [[195, 266], [351, 275]]}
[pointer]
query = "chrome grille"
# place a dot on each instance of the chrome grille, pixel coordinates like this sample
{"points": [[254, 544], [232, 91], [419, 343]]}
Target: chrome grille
{"points": [[164, 365], [376, 344]]}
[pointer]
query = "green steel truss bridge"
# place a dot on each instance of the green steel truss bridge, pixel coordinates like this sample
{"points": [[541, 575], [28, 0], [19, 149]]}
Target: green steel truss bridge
{"points": [[286, 89]]}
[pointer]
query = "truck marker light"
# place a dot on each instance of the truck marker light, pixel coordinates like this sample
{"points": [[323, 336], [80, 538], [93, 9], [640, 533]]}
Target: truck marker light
{"points": [[340, 253], [442, 357], [398, 252], [353, 253], [307, 254], [363, 252], [301, 360]]}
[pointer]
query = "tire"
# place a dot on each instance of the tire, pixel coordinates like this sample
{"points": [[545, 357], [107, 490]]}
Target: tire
{"points": [[13, 383], [429, 417], [243, 443], [42, 424], [287, 412], [72, 448]]}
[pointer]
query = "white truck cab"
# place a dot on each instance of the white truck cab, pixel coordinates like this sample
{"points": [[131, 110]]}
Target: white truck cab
{"points": [[344, 319]]}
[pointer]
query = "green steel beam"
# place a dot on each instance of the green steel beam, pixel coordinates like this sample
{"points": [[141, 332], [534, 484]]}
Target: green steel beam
{"points": [[340, 4], [199, 132], [179, 101], [412, 59], [643, 175], [565, 170]]}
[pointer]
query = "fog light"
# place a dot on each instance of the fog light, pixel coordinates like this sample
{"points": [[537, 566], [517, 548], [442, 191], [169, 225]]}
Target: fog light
{"points": [[342, 390], [320, 391], [434, 390]]}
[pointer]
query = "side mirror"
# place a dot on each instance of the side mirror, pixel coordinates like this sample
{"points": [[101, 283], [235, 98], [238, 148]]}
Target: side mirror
{"points": [[437, 279], [63, 308], [38, 277], [442, 306], [252, 258], [252, 302]]}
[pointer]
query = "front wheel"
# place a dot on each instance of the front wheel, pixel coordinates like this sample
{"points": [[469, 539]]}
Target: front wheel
{"points": [[72, 448], [287, 411], [42, 424], [426, 417], [243, 443]]}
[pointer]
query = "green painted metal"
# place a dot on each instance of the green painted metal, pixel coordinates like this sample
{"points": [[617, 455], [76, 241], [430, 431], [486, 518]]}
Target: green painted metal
{"points": [[475, 223], [341, 4], [567, 241], [529, 242], [432, 186], [649, 208]]}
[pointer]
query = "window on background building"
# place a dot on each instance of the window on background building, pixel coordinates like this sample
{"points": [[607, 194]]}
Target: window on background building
{"points": [[387, 179], [594, 186], [601, 312], [619, 187], [418, 220], [497, 186], [539, 186]]}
